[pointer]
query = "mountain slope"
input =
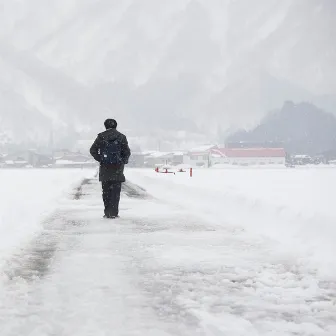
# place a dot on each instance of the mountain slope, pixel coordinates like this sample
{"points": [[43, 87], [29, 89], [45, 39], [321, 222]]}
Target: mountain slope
{"points": [[301, 128]]}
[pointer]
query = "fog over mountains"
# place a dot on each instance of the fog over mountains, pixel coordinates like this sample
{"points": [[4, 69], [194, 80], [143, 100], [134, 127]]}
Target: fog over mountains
{"points": [[177, 67]]}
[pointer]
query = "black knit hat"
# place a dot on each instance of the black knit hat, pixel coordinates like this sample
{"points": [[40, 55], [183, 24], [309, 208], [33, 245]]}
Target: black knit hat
{"points": [[110, 123]]}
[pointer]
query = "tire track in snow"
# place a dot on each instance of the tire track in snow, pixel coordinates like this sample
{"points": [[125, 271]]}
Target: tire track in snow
{"points": [[34, 261], [55, 264]]}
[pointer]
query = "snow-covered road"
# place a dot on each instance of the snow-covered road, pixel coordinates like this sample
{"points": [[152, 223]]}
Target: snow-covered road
{"points": [[161, 269]]}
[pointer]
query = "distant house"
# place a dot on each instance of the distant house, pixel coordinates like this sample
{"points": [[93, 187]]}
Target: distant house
{"points": [[178, 158], [83, 146], [59, 153], [76, 157], [18, 159], [18, 155], [302, 159], [136, 160], [199, 156], [328, 156], [37, 159], [31, 158], [43, 160], [74, 160], [248, 156], [8, 164], [18, 162], [153, 159]]}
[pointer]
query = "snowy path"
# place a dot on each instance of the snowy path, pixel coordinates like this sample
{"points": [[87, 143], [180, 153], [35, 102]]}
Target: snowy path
{"points": [[159, 270]]}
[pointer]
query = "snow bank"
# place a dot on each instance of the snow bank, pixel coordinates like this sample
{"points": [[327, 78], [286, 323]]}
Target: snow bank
{"points": [[294, 207], [26, 198]]}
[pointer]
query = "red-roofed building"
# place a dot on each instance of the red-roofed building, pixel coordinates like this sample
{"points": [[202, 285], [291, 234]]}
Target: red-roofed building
{"points": [[248, 156]]}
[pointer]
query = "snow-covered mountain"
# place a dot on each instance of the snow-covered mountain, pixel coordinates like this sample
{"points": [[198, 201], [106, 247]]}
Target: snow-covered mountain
{"points": [[160, 66]]}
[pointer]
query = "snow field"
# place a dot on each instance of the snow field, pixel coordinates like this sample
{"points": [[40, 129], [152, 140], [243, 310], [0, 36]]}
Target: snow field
{"points": [[294, 207], [162, 269]]}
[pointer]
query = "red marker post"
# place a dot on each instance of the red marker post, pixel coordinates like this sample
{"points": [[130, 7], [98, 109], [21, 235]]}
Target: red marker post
{"points": [[191, 172]]}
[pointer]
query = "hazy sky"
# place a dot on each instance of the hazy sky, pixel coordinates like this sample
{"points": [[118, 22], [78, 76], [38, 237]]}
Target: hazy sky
{"points": [[163, 66]]}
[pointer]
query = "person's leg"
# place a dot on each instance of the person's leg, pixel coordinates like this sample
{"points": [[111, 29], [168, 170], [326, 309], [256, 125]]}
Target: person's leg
{"points": [[106, 196], [115, 199]]}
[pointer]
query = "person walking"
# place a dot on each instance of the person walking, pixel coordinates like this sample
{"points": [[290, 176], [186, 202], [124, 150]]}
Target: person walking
{"points": [[111, 150]]}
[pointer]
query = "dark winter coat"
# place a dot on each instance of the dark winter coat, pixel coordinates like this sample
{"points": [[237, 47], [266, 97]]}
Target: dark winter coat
{"points": [[108, 172]]}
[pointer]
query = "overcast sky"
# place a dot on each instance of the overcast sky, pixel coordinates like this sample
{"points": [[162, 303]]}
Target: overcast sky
{"points": [[194, 65]]}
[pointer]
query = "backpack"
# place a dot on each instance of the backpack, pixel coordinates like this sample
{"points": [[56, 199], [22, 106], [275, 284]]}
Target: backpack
{"points": [[110, 152]]}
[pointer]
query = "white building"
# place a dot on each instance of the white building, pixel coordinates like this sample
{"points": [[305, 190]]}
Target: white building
{"points": [[248, 156], [153, 159], [199, 156]]}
